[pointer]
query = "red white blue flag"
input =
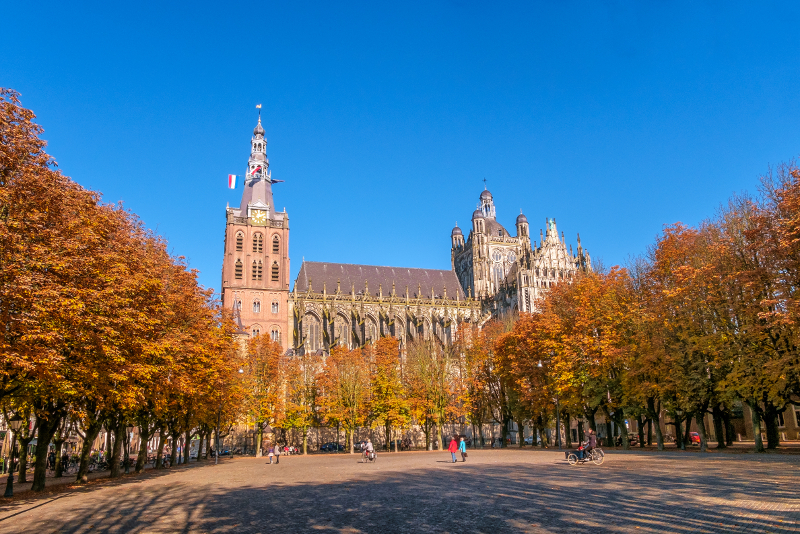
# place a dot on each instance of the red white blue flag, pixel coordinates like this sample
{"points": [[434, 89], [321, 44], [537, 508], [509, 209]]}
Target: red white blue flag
{"points": [[232, 181]]}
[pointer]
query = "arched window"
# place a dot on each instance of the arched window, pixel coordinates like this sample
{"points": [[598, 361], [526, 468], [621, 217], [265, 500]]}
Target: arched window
{"points": [[258, 243], [239, 241], [275, 272], [255, 330], [256, 306], [372, 332], [311, 327], [275, 334], [276, 245], [274, 306], [238, 269], [342, 331]]}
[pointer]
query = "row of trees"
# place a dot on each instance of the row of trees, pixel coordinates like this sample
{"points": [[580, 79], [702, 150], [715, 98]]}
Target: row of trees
{"points": [[102, 327], [706, 321]]}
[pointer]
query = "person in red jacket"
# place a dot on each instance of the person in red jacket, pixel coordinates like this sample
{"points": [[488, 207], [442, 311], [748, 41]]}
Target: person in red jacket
{"points": [[453, 448]]}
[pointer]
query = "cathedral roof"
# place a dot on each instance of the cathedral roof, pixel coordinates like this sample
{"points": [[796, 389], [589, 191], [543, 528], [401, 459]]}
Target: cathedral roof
{"points": [[495, 228], [456, 231], [486, 194], [477, 214], [378, 278], [521, 219]]}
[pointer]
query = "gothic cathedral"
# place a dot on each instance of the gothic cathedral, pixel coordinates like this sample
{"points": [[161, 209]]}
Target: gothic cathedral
{"points": [[255, 269], [510, 272], [492, 273]]}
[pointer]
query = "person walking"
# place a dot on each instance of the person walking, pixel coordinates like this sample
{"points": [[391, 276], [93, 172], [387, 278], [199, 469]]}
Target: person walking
{"points": [[271, 454], [462, 448], [453, 448], [277, 455]]}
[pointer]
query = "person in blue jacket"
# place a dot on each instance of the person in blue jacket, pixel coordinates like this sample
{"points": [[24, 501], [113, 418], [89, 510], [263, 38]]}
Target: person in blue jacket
{"points": [[462, 448]]}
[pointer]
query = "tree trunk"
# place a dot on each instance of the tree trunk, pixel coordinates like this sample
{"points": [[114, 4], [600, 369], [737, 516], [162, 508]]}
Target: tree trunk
{"points": [[609, 433], [176, 444], [700, 421], [47, 429], [649, 432], [726, 419], [567, 430], [755, 411], [687, 434], [58, 469], [771, 422], [679, 433], [144, 435], [716, 414], [160, 448], [187, 447], [119, 433], [590, 414], [580, 431], [654, 410], [90, 434], [352, 441], [259, 438], [504, 431], [640, 423], [23, 457], [480, 433], [619, 419], [305, 440], [439, 436]]}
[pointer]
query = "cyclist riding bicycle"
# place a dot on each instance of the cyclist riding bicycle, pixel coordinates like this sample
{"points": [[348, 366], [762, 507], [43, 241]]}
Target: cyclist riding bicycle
{"points": [[369, 450], [591, 443]]}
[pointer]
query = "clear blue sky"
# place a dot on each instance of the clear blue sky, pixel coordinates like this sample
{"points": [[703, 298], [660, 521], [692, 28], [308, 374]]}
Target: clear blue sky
{"points": [[613, 117]]}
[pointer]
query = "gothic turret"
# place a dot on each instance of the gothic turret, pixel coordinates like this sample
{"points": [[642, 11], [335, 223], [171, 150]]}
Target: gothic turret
{"points": [[457, 237]]}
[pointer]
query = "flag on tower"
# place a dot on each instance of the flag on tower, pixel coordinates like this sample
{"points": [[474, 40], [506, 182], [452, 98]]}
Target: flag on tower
{"points": [[258, 106], [232, 181]]}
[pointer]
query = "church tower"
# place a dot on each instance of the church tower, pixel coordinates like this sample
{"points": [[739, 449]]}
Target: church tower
{"points": [[255, 268]]}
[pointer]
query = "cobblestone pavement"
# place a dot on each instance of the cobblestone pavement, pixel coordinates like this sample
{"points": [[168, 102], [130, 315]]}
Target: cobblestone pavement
{"points": [[494, 491]]}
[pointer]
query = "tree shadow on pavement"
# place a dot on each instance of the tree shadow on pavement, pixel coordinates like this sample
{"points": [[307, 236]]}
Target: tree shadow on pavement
{"points": [[472, 497]]}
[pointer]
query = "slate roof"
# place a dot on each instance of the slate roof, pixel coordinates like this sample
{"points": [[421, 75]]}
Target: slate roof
{"points": [[493, 228], [350, 275]]}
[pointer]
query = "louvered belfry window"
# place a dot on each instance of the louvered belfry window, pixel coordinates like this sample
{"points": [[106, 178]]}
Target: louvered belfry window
{"points": [[258, 269], [258, 243], [275, 272], [238, 270], [239, 241], [276, 245]]}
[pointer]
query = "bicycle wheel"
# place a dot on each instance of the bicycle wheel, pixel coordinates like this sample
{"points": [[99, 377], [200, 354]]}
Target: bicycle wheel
{"points": [[572, 459], [598, 457]]}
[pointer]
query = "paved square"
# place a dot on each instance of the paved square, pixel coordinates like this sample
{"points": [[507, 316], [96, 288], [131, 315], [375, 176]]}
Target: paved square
{"points": [[495, 491]]}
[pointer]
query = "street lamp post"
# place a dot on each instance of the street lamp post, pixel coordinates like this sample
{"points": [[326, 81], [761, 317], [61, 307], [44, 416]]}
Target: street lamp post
{"points": [[14, 423], [128, 450]]}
